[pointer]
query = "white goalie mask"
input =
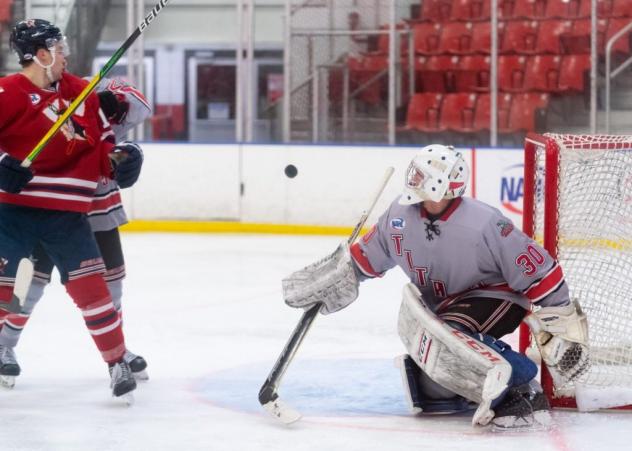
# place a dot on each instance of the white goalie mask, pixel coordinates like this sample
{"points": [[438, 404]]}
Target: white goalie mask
{"points": [[437, 172]]}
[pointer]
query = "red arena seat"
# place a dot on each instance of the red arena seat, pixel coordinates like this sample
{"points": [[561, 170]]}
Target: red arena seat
{"points": [[524, 107], [578, 41], [505, 9], [434, 73], [482, 116], [456, 38], [604, 8], [563, 9], [467, 10], [550, 34], [529, 9], [511, 72], [482, 36], [423, 112], [457, 112], [472, 73], [621, 8], [427, 37], [542, 73], [436, 10], [574, 72], [520, 36]]}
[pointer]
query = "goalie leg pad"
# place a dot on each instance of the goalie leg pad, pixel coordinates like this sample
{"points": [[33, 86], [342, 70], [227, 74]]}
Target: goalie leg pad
{"points": [[423, 395], [451, 358]]}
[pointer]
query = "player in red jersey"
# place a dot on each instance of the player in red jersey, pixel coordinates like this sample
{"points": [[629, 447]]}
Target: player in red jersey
{"points": [[124, 107], [46, 203]]}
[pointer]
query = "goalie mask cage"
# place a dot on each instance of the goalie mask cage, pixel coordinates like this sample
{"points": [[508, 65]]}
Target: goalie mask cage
{"points": [[578, 203]]}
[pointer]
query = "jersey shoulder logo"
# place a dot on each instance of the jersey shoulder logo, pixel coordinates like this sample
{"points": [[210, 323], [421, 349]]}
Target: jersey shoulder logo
{"points": [[505, 227], [35, 98], [398, 223]]}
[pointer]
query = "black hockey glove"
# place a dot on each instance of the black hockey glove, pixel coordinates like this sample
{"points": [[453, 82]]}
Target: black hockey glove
{"points": [[127, 158], [13, 177], [114, 106]]}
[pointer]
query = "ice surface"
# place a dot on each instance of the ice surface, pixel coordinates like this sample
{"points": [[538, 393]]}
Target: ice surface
{"points": [[206, 312]]}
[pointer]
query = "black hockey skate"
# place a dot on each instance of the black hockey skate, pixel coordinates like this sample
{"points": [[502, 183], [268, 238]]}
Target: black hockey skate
{"points": [[9, 367], [522, 408], [122, 381], [137, 364]]}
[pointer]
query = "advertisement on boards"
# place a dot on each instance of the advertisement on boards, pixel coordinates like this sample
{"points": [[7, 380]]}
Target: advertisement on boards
{"points": [[498, 180]]}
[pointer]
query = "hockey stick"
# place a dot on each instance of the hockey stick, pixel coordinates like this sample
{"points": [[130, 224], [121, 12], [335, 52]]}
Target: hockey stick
{"points": [[21, 285], [268, 396], [95, 81]]}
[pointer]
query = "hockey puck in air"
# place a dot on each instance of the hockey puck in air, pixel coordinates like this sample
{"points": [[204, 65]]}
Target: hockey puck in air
{"points": [[291, 171]]}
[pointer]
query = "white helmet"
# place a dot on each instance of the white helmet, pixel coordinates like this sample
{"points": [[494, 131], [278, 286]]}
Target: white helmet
{"points": [[437, 172]]}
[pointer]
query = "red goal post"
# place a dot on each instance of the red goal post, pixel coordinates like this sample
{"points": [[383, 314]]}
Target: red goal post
{"points": [[578, 204]]}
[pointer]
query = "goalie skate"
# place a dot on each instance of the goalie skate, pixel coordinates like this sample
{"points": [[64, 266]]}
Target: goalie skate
{"points": [[138, 365], [522, 410], [9, 367], [122, 382]]}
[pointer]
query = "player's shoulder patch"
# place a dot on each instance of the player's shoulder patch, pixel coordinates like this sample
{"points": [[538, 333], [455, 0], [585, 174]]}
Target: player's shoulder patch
{"points": [[398, 223], [505, 226], [35, 98]]}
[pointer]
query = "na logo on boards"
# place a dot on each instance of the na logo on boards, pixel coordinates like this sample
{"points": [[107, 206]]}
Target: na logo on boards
{"points": [[512, 188]]}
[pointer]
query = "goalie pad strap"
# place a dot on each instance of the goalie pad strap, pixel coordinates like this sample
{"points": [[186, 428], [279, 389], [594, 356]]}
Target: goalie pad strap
{"points": [[451, 358]]}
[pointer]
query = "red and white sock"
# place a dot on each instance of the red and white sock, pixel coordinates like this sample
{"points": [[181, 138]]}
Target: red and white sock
{"points": [[91, 295]]}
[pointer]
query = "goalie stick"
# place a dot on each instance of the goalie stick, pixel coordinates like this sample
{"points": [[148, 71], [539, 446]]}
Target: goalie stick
{"points": [[93, 83], [268, 396]]}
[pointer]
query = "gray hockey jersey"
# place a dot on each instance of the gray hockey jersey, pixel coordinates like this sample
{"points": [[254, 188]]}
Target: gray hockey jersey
{"points": [[471, 250], [107, 211]]}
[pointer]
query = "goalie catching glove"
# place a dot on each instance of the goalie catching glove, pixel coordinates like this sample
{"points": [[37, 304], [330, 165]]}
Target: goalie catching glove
{"points": [[331, 281], [561, 334]]}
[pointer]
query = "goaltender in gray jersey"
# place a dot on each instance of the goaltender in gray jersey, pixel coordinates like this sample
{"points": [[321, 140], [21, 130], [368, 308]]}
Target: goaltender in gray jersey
{"points": [[474, 278], [469, 251]]}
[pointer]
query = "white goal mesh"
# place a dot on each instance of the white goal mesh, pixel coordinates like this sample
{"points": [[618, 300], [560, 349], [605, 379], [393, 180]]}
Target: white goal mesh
{"points": [[587, 222]]}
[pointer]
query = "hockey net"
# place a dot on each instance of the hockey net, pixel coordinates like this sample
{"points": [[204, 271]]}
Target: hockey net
{"points": [[578, 203]]}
